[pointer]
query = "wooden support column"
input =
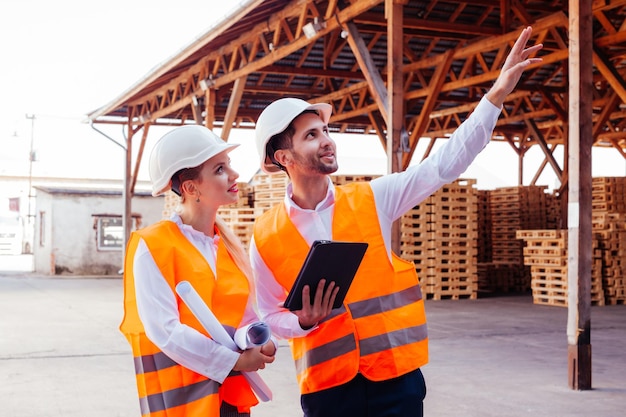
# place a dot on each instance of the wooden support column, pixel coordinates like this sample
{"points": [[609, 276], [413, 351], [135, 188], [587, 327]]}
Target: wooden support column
{"points": [[196, 110], [520, 169], [579, 195], [142, 147], [395, 88], [367, 65], [233, 106], [209, 107], [127, 195]]}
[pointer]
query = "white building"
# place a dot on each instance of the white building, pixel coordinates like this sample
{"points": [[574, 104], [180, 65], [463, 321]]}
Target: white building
{"points": [[79, 231]]}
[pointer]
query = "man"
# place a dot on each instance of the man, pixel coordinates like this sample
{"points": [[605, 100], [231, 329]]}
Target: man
{"points": [[364, 358]]}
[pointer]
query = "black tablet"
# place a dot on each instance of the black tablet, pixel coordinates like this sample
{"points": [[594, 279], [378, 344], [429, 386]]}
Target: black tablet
{"points": [[329, 259]]}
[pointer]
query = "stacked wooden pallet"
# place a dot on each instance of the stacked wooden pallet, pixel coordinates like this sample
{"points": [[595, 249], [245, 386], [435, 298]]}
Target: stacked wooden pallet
{"points": [[346, 179], [415, 239], [485, 253], [545, 252], [512, 209], [268, 189], [440, 237], [484, 246], [241, 221], [554, 219], [608, 195], [608, 201], [609, 230]]}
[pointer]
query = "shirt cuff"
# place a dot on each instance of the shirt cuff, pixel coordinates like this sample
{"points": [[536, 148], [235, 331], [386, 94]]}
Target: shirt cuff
{"points": [[228, 359], [488, 108], [297, 330]]}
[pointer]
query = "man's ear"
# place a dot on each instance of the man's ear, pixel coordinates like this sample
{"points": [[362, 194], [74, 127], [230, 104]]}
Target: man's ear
{"points": [[282, 156]]}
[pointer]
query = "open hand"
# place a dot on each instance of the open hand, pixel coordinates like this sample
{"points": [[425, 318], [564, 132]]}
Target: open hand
{"points": [[515, 64]]}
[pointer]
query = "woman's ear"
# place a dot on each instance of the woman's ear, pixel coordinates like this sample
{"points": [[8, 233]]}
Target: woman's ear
{"points": [[188, 187]]}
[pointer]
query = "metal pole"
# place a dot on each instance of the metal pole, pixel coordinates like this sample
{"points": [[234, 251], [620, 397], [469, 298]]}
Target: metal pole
{"points": [[29, 215]]}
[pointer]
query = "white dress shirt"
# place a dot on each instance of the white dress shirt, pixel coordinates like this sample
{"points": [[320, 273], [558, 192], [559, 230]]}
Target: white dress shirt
{"points": [[394, 195], [158, 312]]}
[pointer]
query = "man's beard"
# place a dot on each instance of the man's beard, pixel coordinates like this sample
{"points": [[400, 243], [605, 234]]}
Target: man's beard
{"points": [[315, 164]]}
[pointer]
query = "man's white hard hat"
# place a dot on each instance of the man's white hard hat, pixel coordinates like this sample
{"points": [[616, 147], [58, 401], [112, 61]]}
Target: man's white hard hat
{"points": [[183, 147], [276, 117]]}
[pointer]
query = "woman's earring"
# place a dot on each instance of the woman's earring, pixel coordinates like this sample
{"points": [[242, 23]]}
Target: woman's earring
{"points": [[198, 199]]}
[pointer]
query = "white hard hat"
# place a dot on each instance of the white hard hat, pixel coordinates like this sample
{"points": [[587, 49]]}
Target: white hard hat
{"points": [[183, 147], [276, 117]]}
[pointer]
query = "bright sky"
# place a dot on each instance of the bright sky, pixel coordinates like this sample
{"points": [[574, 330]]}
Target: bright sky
{"points": [[63, 59]]}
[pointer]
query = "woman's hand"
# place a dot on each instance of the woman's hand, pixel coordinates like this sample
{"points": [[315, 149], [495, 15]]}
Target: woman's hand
{"points": [[269, 349], [254, 359]]}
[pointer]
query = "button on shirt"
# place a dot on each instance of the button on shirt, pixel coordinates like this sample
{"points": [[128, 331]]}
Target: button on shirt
{"points": [[394, 195]]}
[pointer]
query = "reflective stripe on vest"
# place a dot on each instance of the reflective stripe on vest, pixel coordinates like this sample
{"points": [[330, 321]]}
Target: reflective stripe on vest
{"points": [[166, 388], [180, 396], [381, 329]]}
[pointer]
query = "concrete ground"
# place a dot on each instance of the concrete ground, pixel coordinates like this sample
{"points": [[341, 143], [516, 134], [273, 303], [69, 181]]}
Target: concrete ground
{"points": [[61, 354]]}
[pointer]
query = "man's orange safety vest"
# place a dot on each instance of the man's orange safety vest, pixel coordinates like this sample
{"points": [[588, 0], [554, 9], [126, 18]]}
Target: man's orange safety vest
{"points": [[167, 389], [380, 331]]}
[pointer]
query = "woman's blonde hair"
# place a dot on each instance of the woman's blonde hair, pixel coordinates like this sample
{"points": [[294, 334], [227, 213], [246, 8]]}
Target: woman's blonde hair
{"points": [[235, 248]]}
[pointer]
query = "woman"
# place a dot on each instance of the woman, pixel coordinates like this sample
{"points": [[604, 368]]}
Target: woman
{"points": [[180, 370]]}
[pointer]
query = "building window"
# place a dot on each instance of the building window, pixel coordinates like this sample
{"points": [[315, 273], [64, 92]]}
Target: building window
{"points": [[110, 232]]}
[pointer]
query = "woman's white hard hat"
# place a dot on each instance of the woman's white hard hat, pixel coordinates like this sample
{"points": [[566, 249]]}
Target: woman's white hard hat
{"points": [[183, 147], [276, 117]]}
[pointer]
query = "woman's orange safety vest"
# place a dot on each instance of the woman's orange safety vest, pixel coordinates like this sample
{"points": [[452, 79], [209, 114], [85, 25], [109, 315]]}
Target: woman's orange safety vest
{"points": [[167, 389], [381, 329]]}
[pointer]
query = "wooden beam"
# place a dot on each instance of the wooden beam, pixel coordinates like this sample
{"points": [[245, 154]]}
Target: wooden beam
{"points": [[439, 77], [209, 108], [605, 115], [396, 134], [233, 106], [369, 70], [127, 194], [610, 74], [617, 146], [544, 147], [142, 146], [196, 110], [378, 125], [579, 195], [542, 166]]}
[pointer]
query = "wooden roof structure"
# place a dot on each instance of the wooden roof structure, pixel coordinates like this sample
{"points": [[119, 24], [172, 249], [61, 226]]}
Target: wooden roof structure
{"points": [[446, 54]]}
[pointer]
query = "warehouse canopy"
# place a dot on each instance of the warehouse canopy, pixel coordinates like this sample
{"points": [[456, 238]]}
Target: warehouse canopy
{"points": [[445, 54]]}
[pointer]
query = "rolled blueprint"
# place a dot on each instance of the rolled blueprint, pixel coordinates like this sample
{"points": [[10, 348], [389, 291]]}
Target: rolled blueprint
{"points": [[205, 316], [255, 334]]}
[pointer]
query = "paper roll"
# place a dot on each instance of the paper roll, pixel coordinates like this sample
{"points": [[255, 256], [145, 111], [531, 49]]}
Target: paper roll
{"points": [[207, 319], [255, 334]]}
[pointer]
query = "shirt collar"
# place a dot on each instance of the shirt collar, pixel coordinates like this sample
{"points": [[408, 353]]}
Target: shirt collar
{"points": [[328, 201], [190, 231]]}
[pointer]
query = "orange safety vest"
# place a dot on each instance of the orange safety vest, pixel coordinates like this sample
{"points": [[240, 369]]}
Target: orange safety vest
{"points": [[167, 389], [380, 331]]}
